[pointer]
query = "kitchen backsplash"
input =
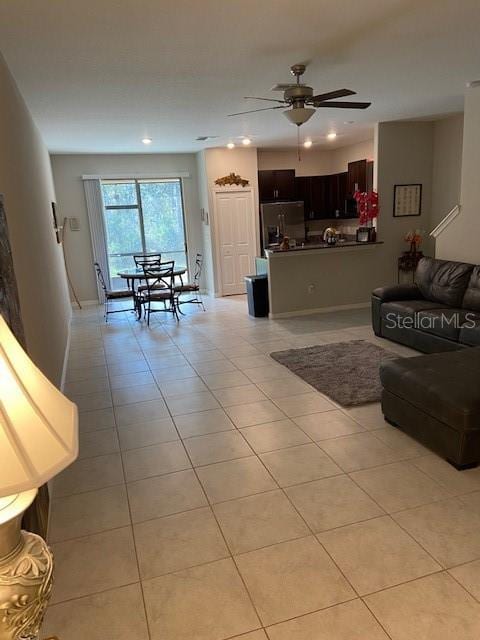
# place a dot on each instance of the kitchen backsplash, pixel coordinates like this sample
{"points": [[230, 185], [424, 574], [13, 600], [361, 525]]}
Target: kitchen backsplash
{"points": [[346, 226]]}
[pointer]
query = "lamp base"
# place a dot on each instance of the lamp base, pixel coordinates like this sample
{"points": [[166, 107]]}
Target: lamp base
{"points": [[26, 574]]}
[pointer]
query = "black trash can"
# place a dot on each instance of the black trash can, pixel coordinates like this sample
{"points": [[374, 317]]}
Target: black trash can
{"points": [[257, 295]]}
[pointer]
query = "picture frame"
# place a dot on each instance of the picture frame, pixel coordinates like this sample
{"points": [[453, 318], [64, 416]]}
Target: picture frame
{"points": [[407, 200]]}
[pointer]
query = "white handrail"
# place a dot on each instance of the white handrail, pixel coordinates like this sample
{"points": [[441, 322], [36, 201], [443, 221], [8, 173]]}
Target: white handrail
{"points": [[440, 228]]}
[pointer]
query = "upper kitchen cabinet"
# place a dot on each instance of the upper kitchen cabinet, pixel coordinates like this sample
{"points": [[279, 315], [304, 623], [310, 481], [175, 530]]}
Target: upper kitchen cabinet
{"points": [[303, 192], [357, 176], [276, 185]]}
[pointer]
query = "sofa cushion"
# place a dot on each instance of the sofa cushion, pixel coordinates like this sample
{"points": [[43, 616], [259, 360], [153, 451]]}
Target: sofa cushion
{"points": [[443, 281], [398, 292], [443, 385], [444, 322], [470, 330], [471, 299], [405, 308]]}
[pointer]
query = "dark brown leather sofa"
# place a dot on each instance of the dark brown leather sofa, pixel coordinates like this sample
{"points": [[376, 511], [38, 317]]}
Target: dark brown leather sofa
{"points": [[434, 398], [440, 312]]}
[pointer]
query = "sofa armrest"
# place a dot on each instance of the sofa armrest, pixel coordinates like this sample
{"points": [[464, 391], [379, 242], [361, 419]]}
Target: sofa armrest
{"points": [[398, 292]]}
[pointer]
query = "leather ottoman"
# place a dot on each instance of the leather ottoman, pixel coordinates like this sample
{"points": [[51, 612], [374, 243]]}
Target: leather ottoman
{"points": [[436, 400]]}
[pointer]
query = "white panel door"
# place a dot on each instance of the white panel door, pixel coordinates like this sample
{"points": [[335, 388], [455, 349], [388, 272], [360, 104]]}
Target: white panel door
{"points": [[235, 239]]}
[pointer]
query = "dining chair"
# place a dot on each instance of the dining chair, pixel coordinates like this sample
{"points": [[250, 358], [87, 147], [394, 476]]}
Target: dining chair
{"points": [[146, 258], [159, 288], [192, 287], [111, 294]]}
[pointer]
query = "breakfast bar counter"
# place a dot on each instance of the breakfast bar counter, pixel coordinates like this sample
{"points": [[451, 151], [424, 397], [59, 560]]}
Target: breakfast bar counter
{"points": [[321, 277]]}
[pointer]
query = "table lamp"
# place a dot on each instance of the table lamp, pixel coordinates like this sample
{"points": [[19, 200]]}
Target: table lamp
{"points": [[38, 438]]}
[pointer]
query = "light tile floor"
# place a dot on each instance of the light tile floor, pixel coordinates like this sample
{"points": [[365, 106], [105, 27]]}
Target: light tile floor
{"points": [[218, 496]]}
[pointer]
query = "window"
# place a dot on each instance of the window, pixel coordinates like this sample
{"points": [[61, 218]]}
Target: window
{"points": [[143, 216]]}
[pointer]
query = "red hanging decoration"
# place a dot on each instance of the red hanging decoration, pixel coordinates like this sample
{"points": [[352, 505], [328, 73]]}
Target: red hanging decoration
{"points": [[367, 206]]}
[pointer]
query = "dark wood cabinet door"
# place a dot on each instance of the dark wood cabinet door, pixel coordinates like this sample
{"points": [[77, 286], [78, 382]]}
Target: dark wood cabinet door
{"points": [[266, 185], [303, 191], [357, 176], [277, 184], [342, 179], [285, 184], [369, 175], [320, 196]]}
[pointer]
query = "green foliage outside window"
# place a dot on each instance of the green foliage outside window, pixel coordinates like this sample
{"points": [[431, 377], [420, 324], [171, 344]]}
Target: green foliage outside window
{"points": [[153, 225]]}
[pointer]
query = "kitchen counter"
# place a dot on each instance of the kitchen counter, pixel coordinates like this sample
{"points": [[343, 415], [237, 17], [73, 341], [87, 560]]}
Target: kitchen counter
{"points": [[322, 245], [320, 277]]}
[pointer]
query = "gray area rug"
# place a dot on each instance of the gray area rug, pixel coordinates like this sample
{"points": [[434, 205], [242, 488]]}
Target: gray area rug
{"points": [[346, 372]]}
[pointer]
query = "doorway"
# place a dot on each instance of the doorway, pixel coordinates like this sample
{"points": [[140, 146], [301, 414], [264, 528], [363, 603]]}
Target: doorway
{"points": [[234, 239]]}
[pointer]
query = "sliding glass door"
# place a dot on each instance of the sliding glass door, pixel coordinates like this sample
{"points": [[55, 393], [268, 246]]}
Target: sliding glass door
{"points": [[143, 216]]}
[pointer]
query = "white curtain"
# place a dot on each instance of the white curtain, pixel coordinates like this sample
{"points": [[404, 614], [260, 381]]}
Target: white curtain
{"points": [[93, 196]]}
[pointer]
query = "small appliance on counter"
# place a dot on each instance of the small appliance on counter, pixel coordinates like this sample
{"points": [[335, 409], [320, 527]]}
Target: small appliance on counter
{"points": [[330, 236], [366, 234]]}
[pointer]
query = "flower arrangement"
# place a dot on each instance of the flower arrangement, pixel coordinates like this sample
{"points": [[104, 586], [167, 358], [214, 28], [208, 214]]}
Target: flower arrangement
{"points": [[414, 238], [367, 207]]}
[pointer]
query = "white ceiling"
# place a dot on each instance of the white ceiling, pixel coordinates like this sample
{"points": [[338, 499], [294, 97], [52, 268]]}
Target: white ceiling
{"points": [[100, 75]]}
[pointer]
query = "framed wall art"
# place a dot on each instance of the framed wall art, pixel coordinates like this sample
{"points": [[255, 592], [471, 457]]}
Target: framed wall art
{"points": [[407, 200]]}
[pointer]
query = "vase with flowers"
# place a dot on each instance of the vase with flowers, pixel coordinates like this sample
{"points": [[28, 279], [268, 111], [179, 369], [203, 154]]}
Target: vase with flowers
{"points": [[368, 210], [414, 239]]}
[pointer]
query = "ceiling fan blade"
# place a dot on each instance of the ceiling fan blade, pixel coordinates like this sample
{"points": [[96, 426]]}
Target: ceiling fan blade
{"points": [[340, 93], [344, 105], [241, 113], [284, 87], [267, 99]]}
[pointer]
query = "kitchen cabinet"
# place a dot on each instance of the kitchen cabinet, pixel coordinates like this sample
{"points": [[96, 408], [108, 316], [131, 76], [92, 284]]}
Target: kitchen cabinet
{"points": [[320, 196], [357, 176], [303, 191], [370, 175], [276, 185]]}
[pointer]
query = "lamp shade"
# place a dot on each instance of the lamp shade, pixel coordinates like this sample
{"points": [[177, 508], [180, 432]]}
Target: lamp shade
{"points": [[299, 115], [38, 424]]}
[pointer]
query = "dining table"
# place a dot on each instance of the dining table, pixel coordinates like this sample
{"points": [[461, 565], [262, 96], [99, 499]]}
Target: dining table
{"points": [[136, 274]]}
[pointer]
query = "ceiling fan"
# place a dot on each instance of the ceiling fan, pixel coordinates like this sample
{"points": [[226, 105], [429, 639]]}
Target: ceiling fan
{"points": [[303, 103]]}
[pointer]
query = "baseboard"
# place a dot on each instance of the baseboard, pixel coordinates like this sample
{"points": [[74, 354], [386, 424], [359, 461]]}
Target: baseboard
{"points": [[65, 356], [86, 303], [308, 312]]}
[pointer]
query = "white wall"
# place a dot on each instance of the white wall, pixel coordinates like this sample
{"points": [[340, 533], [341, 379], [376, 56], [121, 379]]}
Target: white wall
{"points": [[316, 162], [404, 155], [67, 172], [26, 182], [218, 163], [460, 241], [447, 165], [343, 155], [313, 163]]}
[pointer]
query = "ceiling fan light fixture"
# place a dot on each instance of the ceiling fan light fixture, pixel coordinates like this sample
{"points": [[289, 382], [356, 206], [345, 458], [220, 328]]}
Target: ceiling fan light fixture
{"points": [[299, 115]]}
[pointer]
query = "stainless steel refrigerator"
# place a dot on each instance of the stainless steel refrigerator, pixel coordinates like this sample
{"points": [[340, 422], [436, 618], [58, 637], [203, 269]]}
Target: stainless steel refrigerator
{"points": [[280, 219]]}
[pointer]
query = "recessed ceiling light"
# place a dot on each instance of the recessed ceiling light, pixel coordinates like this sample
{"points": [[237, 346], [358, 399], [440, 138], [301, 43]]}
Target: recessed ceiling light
{"points": [[307, 144], [246, 141], [147, 140], [332, 135], [230, 145]]}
